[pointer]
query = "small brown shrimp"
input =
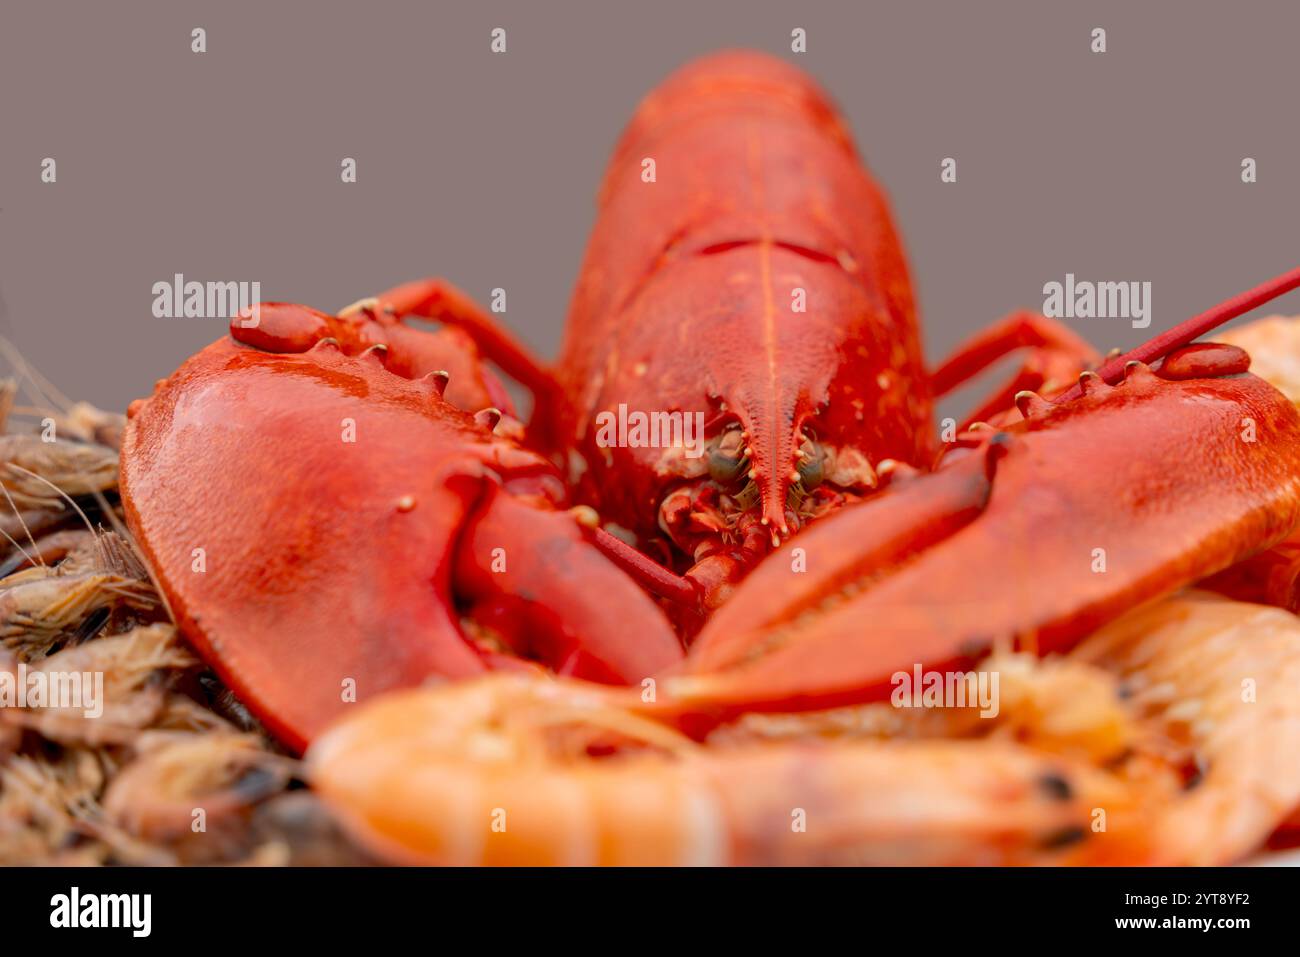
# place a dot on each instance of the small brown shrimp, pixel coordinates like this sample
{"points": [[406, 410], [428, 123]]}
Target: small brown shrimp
{"points": [[48, 549], [157, 796], [129, 698], [516, 769], [46, 800], [92, 424], [44, 606], [41, 604], [44, 469], [17, 525]]}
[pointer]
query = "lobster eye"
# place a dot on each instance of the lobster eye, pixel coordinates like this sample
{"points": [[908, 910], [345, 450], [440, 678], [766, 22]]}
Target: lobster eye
{"points": [[811, 466], [724, 465], [727, 457]]}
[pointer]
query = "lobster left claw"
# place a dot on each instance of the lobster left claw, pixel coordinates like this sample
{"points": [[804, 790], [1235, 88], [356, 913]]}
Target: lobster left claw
{"points": [[325, 530], [1034, 536]]}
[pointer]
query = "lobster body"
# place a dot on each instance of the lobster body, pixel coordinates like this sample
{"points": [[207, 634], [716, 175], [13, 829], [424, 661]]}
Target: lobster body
{"points": [[753, 275]]}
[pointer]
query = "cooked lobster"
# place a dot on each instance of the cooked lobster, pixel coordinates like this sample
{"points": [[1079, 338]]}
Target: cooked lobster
{"points": [[337, 506]]}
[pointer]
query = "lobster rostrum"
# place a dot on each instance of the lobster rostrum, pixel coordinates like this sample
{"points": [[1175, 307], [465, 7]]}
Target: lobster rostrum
{"points": [[367, 512]]}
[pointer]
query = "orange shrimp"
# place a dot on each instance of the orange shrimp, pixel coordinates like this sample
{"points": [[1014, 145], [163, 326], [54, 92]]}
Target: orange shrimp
{"points": [[1274, 346], [1215, 685], [524, 769], [500, 770]]}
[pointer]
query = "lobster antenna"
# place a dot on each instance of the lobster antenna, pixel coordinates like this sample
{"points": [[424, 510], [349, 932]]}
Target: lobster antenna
{"points": [[1185, 332]]}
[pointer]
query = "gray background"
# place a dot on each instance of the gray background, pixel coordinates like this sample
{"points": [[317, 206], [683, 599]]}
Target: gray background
{"points": [[483, 168]]}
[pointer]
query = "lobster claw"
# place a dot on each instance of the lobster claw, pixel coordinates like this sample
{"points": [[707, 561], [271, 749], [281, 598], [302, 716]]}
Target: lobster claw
{"points": [[412, 353], [1033, 537], [317, 524], [554, 597]]}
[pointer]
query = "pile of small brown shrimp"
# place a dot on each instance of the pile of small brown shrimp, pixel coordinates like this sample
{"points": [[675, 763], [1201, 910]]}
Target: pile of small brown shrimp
{"points": [[172, 771], [1169, 736]]}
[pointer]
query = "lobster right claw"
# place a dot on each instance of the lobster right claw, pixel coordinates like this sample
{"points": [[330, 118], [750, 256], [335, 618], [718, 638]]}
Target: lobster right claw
{"points": [[1035, 537]]}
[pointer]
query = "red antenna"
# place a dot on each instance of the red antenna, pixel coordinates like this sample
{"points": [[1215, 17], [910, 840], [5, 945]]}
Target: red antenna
{"points": [[1183, 333]]}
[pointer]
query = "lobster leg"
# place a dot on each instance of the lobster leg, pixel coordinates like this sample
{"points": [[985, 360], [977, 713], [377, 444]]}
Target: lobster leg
{"points": [[439, 300], [1056, 357], [1093, 508], [647, 572]]}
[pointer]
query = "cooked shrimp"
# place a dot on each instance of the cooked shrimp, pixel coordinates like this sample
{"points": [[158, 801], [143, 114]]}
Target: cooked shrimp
{"points": [[1168, 737], [1057, 705], [74, 468], [158, 795], [1163, 698], [36, 612], [47, 550], [46, 800], [504, 770], [92, 424], [17, 525], [1215, 685], [1274, 346], [40, 605], [129, 697]]}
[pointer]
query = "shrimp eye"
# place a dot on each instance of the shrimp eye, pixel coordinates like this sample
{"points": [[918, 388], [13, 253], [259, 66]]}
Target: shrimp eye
{"points": [[724, 465], [811, 470]]}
